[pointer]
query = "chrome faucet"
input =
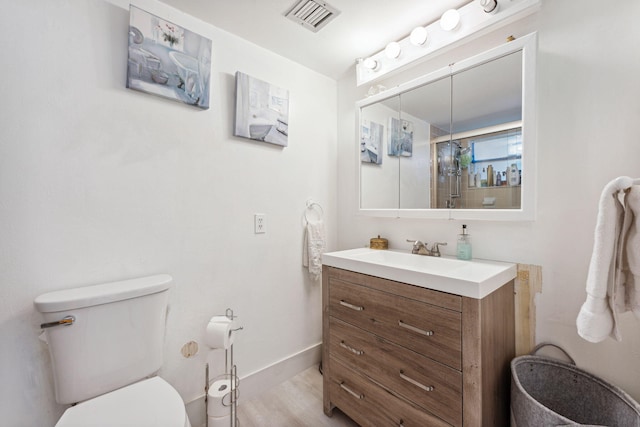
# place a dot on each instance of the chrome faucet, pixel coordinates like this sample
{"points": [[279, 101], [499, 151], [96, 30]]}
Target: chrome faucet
{"points": [[420, 248]]}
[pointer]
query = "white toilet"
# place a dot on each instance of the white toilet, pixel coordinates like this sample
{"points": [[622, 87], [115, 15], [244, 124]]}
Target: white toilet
{"points": [[105, 343]]}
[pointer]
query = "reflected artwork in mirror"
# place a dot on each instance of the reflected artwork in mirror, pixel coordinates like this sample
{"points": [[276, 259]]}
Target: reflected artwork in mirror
{"points": [[468, 138], [379, 179]]}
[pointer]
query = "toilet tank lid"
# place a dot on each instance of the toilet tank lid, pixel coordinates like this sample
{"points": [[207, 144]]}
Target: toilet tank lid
{"points": [[87, 296]]}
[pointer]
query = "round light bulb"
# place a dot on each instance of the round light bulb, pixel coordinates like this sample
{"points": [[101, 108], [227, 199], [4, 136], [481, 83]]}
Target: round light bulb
{"points": [[418, 36], [450, 20], [370, 63], [392, 50]]}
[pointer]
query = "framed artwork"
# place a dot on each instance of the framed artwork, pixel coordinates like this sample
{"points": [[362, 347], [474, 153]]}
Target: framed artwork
{"points": [[400, 137], [371, 142], [262, 111], [168, 60]]}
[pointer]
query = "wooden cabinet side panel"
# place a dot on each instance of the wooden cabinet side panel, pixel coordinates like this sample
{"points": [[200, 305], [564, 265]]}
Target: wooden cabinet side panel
{"points": [[326, 363], [498, 349], [488, 347], [471, 367]]}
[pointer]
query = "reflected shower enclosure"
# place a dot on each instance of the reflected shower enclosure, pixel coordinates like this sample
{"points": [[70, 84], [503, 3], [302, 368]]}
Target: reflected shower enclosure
{"points": [[262, 111], [168, 60]]}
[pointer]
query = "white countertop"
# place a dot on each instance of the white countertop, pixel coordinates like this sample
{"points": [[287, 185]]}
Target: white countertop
{"points": [[475, 278]]}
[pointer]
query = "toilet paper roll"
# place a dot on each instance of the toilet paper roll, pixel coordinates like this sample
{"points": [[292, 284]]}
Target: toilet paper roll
{"points": [[220, 421], [219, 333], [219, 399]]}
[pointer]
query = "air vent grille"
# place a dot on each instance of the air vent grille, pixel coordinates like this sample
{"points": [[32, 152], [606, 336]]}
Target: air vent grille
{"points": [[313, 15]]}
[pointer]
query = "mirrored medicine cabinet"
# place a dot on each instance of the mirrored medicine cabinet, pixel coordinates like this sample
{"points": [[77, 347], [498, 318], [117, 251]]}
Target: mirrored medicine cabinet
{"points": [[457, 143]]}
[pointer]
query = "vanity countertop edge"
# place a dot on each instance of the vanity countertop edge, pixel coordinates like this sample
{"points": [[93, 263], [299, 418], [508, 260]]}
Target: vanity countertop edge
{"points": [[462, 279]]}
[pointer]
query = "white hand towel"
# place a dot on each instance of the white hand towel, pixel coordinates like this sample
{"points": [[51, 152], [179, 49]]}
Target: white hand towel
{"points": [[627, 292], [596, 320], [314, 246]]}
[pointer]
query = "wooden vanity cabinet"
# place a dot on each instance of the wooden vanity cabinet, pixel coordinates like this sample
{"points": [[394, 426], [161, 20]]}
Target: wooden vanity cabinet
{"points": [[399, 354]]}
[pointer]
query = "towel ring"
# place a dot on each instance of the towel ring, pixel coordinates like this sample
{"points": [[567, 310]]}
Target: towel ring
{"points": [[313, 207]]}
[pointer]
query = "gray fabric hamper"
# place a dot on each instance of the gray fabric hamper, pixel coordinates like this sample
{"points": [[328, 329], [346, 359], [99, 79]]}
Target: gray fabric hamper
{"points": [[547, 392]]}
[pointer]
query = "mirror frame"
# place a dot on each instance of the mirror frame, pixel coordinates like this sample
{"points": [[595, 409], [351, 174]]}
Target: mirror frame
{"points": [[527, 212]]}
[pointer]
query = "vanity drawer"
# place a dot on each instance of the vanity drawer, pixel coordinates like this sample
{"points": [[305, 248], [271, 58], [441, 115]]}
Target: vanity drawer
{"points": [[427, 329], [371, 405], [418, 293], [431, 385]]}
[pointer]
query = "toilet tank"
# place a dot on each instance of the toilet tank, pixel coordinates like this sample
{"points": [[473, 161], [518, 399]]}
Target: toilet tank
{"points": [[116, 338]]}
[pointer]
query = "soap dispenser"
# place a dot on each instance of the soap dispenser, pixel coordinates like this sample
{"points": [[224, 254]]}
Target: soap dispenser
{"points": [[463, 248]]}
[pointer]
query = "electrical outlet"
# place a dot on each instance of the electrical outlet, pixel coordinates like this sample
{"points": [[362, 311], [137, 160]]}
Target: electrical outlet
{"points": [[259, 223]]}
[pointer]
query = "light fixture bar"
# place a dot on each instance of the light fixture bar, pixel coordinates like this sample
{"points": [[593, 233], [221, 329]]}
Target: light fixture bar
{"points": [[473, 21]]}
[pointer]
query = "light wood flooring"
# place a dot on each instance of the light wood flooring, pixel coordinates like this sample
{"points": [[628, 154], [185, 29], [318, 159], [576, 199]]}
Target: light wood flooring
{"points": [[294, 403]]}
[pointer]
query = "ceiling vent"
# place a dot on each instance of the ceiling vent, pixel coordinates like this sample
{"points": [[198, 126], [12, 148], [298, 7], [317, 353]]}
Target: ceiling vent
{"points": [[313, 15]]}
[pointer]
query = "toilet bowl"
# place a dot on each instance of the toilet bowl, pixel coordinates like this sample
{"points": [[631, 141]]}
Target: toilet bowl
{"points": [[148, 403]]}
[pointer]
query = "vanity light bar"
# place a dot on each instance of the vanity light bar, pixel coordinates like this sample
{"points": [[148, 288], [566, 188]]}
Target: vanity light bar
{"points": [[474, 20]]}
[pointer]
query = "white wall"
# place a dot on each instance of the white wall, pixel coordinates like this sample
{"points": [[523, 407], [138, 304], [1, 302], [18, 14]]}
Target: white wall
{"points": [[588, 127], [101, 183]]}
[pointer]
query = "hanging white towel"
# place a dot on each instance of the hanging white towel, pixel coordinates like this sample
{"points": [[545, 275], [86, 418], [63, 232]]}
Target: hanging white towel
{"points": [[611, 281], [314, 246], [627, 291]]}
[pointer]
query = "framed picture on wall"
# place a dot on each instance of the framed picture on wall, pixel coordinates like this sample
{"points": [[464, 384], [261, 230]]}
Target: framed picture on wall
{"points": [[262, 111], [400, 138], [168, 60], [371, 142]]}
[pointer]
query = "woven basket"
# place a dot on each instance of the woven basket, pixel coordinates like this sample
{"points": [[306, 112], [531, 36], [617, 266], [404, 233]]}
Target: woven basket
{"points": [[547, 392]]}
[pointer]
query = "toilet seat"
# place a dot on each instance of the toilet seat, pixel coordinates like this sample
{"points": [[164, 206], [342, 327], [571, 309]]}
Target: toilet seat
{"points": [[148, 403]]}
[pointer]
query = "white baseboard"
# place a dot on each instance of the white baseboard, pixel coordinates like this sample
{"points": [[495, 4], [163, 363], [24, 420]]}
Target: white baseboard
{"points": [[262, 380]]}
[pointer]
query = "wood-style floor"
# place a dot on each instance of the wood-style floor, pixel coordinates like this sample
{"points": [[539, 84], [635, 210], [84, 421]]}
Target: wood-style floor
{"points": [[294, 403]]}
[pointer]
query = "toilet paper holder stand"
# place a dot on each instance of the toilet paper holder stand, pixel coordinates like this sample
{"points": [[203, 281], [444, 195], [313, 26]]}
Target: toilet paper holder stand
{"points": [[230, 371]]}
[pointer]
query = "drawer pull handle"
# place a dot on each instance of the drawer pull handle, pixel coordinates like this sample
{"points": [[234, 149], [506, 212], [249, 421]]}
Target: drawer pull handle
{"points": [[351, 306], [414, 329], [351, 349], [351, 392], [416, 383]]}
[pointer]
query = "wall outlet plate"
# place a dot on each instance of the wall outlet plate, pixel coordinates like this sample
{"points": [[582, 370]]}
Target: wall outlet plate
{"points": [[259, 223]]}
